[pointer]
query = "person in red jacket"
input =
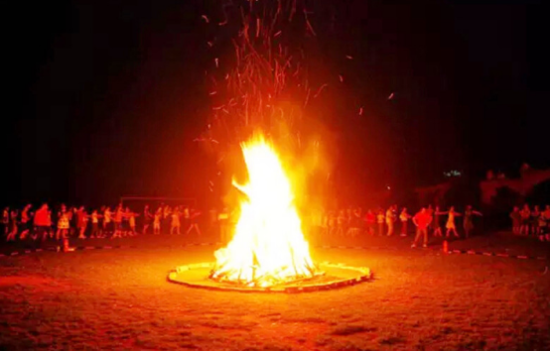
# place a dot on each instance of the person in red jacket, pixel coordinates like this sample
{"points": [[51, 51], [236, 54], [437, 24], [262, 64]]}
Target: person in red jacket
{"points": [[42, 222], [421, 220], [119, 214], [80, 216]]}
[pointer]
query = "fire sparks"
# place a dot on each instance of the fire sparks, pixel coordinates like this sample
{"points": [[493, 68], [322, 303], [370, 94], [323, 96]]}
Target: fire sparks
{"points": [[268, 71], [268, 247]]}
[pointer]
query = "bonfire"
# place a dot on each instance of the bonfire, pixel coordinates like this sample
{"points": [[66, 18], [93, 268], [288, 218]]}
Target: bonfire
{"points": [[266, 88], [268, 247]]}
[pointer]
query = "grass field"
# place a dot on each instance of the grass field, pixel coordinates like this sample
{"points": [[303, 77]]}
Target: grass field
{"points": [[421, 299]]}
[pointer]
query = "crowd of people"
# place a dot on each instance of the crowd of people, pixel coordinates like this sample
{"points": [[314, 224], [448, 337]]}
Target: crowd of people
{"points": [[70, 222], [354, 222], [43, 223], [531, 222]]}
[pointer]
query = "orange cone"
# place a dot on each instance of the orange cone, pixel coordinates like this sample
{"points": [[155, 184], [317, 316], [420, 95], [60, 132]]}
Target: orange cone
{"points": [[445, 247]]}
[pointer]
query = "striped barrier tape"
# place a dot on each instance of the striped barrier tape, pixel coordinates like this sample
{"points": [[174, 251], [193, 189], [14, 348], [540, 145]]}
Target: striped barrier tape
{"points": [[455, 251], [493, 254], [82, 248]]}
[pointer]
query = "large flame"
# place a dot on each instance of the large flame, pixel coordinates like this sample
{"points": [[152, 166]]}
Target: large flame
{"points": [[268, 246]]}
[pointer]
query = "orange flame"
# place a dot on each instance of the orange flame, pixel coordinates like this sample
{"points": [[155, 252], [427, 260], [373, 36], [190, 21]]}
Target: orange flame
{"points": [[268, 246]]}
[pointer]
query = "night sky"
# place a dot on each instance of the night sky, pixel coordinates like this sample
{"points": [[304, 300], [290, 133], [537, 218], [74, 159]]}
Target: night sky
{"points": [[103, 99]]}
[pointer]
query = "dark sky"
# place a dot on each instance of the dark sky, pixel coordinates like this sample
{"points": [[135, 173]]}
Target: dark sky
{"points": [[104, 99]]}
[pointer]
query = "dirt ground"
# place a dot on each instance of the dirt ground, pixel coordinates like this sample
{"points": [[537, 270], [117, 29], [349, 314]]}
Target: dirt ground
{"points": [[119, 299]]}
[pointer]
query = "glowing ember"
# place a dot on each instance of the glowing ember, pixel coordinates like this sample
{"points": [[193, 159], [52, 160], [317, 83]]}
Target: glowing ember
{"points": [[268, 247]]}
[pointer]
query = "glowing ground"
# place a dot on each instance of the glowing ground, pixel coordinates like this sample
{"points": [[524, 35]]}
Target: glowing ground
{"points": [[330, 276], [119, 299]]}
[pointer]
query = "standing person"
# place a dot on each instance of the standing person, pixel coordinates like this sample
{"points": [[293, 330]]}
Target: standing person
{"points": [[81, 222], [62, 223], [535, 214], [50, 225], [166, 218], [358, 214], [430, 210], [436, 223], [175, 226], [468, 222], [73, 221], [94, 218], [125, 227], [451, 226], [64, 226], [25, 221], [14, 214], [404, 218], [421, 220], [186, 217], [370, 219], [341, 223], [380, 219], [348, 222], [100, 213], [131, 221], [329, 218], [544, 220], [127, 218], [6, 220], [525, 218], [194, 222], [390, 220], [107, 221], [156, 221], [331, 223], [547, 216], [119, 213], [147, 216], [354, 222], [515, 215], [348, 216], [42, 222], [324, 224]]}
